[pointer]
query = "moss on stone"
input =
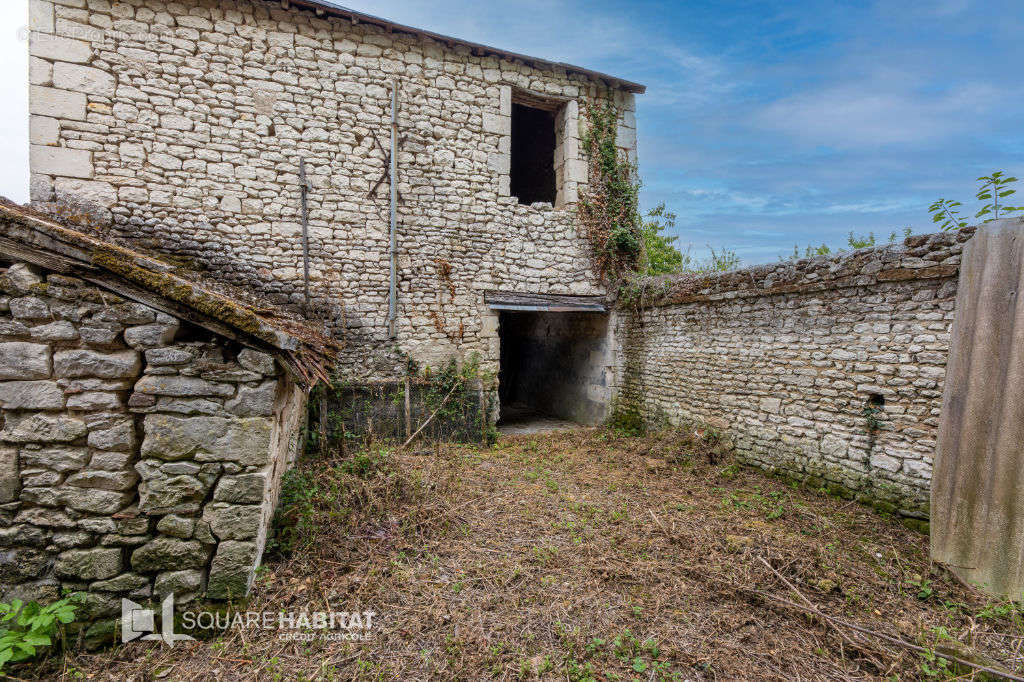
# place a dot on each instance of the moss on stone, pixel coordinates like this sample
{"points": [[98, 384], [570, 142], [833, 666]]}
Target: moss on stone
{"points": [[121, 262]]}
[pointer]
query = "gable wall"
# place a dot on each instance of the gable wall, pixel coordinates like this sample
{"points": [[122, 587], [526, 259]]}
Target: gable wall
{"points": [[186, 121]]}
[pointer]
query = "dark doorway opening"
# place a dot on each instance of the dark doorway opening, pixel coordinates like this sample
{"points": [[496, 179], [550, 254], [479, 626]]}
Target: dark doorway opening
{"points": [[533, 154], [554, 365]]}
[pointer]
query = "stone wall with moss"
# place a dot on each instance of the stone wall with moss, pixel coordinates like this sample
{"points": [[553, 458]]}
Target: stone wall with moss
{"points": [[828, 370], [140, 455]]}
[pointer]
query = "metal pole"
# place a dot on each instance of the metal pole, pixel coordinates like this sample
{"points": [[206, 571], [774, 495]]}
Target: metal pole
{"points": [[304, 187], [393, 290]]}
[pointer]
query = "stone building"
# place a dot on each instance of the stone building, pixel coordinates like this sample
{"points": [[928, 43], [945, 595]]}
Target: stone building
{"points": [[193, 126], [145, 421]]}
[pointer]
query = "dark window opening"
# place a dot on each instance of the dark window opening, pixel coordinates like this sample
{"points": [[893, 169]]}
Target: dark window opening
{"points": [[533, 154], [876, 400]]}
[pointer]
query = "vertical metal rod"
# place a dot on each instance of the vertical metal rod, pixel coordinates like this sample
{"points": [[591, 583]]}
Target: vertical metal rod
{"points": [[393, 252], [304, 193], [408, 408]]}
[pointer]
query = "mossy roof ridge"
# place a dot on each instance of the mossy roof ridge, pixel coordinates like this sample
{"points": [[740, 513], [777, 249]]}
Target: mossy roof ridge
{"points": [[305, 348]]}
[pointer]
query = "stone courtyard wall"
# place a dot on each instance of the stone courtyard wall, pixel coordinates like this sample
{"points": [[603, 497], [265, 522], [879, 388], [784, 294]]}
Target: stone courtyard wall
{"points": [[793, 362], [139, 456], [186, 121]]}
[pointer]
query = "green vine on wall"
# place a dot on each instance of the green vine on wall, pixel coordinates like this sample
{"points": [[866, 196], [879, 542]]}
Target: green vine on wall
{"points": [[609, 212]]}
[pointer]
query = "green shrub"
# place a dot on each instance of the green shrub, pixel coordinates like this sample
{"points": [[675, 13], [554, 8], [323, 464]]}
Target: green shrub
{"points": [[26, 627]]}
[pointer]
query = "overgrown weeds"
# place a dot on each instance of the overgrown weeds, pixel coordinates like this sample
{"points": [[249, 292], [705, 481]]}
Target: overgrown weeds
{"points": [[590, 555]]}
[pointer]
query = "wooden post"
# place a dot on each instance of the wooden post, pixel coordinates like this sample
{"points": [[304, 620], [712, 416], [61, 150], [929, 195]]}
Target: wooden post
{"points": [[323, 423], [408, 409], [304, 194]]}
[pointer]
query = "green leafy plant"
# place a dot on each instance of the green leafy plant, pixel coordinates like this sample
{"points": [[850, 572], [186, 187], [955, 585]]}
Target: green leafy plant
{"points": [[662, 257], [992, 188], [610, 213], [26, 627]]}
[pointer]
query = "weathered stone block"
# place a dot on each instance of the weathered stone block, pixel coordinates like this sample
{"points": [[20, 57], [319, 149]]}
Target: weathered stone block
{"points": [[256, 361], [124, 583], [253, 401], [119, 437], [23, 276], [43, 130], [84, 79], [31, 395], [231, 570], [150, 335], [182, 386], [184, 585], [90, 363], [57, 458], [29, 308], [96, 501], [10, 478], [233, 521], [175, 494], [241, 489], [106, 480], [168, 554], [61, 330], [40, 16], [58, 48], [42, 427], [63, 161], [48, 518], [91, 191], [176, 526], [95, 400], [206, 439], [22, 360], [89, 564], [56, 103]]}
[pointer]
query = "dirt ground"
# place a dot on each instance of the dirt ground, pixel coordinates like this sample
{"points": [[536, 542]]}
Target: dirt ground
{"points": [[586, 555]]}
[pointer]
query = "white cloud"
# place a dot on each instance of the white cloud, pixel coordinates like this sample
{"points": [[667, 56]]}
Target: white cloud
{"points": [[871, 113]]}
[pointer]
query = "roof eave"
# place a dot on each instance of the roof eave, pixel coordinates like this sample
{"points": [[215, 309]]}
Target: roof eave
{"points": [[326, 8]]}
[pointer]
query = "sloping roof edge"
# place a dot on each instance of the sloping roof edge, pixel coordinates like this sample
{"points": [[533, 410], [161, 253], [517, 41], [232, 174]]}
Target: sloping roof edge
{"points": [[43, 241], [321, 6]]}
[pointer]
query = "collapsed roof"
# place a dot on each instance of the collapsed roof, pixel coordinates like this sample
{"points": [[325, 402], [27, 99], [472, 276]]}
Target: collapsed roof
{"points": [[27, 235]]}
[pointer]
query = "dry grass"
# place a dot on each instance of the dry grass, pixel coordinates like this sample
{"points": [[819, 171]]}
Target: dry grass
{"points": [[589, 556]]}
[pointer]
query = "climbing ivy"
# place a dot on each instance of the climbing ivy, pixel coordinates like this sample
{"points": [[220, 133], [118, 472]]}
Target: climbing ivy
{"points": [[609, 212]]}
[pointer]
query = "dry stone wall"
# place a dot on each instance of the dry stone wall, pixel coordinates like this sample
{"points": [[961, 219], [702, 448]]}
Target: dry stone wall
{"points": [[138, 456], [185, 122], [829, 370]]}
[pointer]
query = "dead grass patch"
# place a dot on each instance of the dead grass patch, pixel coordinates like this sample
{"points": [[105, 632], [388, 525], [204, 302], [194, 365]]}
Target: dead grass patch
{"points": [[589, 556]]}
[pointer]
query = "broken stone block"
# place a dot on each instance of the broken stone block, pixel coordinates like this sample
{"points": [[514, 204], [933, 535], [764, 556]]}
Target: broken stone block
{"points": [[41, 427], [207, 439], [167, 554], [168, 356], [89, 564], [21, 360], [231, 570], [31, 395], [89, 363], [233, 521]]}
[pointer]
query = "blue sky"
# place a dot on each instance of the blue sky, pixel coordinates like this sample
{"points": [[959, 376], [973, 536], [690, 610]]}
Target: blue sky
{"points": [[765, 123]]}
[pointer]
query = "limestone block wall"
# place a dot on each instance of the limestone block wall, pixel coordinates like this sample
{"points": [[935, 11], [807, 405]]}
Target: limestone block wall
{"points": [[829, 370], [185, 123], [140, 456]]}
